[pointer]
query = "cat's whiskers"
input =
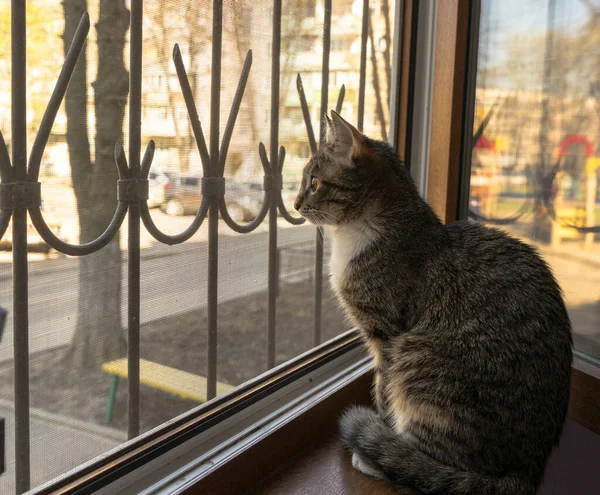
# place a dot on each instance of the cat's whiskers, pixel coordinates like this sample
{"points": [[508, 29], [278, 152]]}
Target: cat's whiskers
{"points": [[328, 216]]}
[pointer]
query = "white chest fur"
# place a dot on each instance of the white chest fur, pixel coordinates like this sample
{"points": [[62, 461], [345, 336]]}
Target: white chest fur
{"points": [[348, 242]]}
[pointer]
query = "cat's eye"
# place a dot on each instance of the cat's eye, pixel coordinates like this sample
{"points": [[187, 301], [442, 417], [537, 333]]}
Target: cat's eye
{"points": [[314, 183]]}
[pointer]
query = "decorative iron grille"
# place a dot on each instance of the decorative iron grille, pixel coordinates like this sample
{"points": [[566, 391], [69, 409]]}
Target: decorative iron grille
{"points": [[21, 193]]}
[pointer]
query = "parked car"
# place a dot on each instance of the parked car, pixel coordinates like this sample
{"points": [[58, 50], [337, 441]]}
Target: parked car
{"points": [[156, 187], [243, 203], [35, 243], [289, 192], [183, 195]]}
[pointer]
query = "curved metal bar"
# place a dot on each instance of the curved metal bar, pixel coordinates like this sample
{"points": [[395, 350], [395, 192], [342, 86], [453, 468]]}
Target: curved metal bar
{"points": [[6, 170], [78, 249], [147, 159], [58, 94], [264, 159], [340, 100], [280, 204], [176, 238], [594, 229], [4, 221], [121, 161], [82, 249], [235, 108], [268, 197], [286, 215], [191, 108], [484, 123], [281, 158], [500, 221], [506, 220], [252, 225], [518, 213], [306, 114], [364, 36]]}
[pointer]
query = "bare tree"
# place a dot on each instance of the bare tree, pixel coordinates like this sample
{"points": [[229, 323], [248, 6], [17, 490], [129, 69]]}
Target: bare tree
{"points": [[376, 87], [98, 334], [387, 37], [241, 35]]}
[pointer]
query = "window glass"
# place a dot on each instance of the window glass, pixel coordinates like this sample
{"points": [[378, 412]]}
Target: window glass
{"points": [[78, 307], [536, 157]]}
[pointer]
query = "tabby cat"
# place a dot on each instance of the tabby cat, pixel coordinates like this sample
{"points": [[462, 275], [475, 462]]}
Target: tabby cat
{"points": [[469, 333]]}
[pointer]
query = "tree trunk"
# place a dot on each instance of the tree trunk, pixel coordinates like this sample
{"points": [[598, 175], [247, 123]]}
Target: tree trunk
{"points": [[98, 333], [76, 106], [165, 51], [378, 102], [242, 43], [195, 44], [385, 11]]}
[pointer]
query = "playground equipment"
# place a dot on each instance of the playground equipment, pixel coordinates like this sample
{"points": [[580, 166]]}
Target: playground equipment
{"points": [[568, 212]]}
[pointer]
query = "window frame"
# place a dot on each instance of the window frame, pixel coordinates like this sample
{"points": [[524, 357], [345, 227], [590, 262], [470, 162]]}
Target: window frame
{"points": [[456, 25]]}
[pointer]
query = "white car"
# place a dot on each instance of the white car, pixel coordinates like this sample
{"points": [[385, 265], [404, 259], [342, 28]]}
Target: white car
{"points": [[156, 188]]}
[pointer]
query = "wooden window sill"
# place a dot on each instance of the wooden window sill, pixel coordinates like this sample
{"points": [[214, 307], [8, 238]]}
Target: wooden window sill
{"points": [[325, 467], [304, 455]]}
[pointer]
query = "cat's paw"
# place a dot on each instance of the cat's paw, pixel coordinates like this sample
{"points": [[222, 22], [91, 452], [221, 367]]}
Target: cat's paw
{"points": [[355, 421], [359, 463]]}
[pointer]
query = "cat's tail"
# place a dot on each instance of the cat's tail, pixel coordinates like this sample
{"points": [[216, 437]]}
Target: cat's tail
{"points": [[378, 445]]}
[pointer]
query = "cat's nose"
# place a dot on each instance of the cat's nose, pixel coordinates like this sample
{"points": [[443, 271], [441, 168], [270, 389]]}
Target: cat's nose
{"points": [[298, 202]]}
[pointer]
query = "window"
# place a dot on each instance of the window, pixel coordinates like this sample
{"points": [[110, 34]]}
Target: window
{"points": [[337, 45], [138, 331], [535, 163]]}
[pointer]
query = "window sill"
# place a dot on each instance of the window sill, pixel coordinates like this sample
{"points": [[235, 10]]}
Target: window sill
{"points": [[325, 467], [324, 463]]}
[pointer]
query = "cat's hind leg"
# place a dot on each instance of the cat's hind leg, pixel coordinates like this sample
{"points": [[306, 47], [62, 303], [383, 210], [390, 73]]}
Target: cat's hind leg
{"points": [[381, 449]]}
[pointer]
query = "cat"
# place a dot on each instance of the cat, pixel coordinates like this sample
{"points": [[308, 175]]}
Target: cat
{"points": [[470, 337]]}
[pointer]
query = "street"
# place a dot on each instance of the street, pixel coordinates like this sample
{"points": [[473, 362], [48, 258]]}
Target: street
{"points": [[173, 281]]}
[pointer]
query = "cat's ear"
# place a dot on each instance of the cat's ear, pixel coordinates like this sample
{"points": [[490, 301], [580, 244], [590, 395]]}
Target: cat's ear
{"points": [[348, 141], [329, 130]]}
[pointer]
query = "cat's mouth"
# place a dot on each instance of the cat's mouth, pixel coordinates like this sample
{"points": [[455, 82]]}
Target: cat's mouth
{"points": [[307, 216], [317, 217]]}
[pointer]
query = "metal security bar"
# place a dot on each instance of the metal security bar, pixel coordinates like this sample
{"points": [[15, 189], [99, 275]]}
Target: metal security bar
{"points": [[20, 193]]}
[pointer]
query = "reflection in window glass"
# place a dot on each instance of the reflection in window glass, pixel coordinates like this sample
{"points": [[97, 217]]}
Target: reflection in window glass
{"points": [[536, 153], [78, 307]]}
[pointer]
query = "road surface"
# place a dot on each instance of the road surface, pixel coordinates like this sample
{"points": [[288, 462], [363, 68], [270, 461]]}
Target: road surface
{"points": [[174, 280]]}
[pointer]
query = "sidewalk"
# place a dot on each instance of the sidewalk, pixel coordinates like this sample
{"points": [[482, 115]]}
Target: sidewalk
{"points": [[58, 444]]}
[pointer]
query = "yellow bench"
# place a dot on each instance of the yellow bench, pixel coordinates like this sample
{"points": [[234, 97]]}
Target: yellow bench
{"points": [[177, 382]]}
